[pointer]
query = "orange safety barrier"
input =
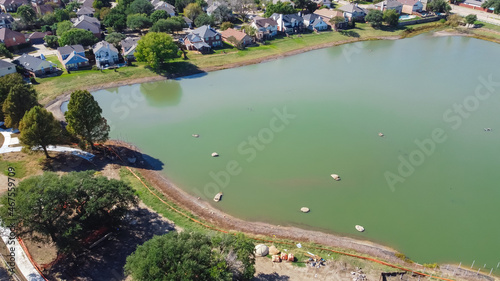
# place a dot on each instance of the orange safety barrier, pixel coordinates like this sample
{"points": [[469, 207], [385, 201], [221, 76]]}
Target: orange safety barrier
{"points": [[287, 243]]}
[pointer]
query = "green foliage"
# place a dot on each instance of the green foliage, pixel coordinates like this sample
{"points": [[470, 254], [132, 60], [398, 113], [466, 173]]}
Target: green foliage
{"points": [[471, 19], [77, 36], [158, 15], [21, 99], [430, 265], [141, 7], [4, 51], [39, 128], [27, 14], [49, 19], [166, 25], [61, 15], [249, 29], [192, 256], [336, 21], [391, 17], [279, 8], [439, 6], [52, 41], [374, 18], [84, 118], [495, 4], [115, 38], [202, 3], [67, 208], [102, 13], [203, 19], [7, 82], [192, 11], [115, 20], [226, 25], [73, 6], [99, 4], [403, 257], [222, 14], [181, 4], [155, 48], [138, 21], [63, 27], [454, 20]]}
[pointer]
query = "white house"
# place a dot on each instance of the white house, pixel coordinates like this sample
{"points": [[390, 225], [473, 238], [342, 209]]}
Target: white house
{"points": [[353, 11], [291, 23], [314, 22], [6, 68], [390, 5], [105, 54]]}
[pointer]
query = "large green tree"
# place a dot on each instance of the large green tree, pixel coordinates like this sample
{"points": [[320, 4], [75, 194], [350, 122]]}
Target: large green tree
{"points": [[52, 41], [21, 99], [39, 128], [5, 52], [138, 21], [27, 14], [6, 83], [63, 26], [391, 17], [62, 15], [168, 25], [155, 49], [439, 6], [374, 18], [141, 7], [279, 8], [192, 11], [117, 21], [115, 38], [471, 19], [158, 15], [192, 256], [495, 4], [78, 36], [84, 118], [222, 14], [203, 19], [66, 208]]}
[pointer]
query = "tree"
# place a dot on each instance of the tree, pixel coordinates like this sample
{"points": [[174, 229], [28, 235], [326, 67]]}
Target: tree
{"points": [[279, 8], [115, 20], [103, 12], [51, 40], [242, 8], [27, 14], [181, 21], [192, 11], [138, 21], [203, 19], [155, 48], [7, 82], [222, 14], [21, 99], [471, 19], [5, 52], [168, 25], [391, 17], [141, 7], [39, 128], [226, 25], [495, 4], [77, 36], [374, 17], [99, 4], [67, 208], [439, 6], [158, 15], [63, 27], [336, 21], [192, 256], [454, 20], [84, 118], [249, 29], [73, 6], [115, 38], [49, 18], [61, 15], [181, 4]]}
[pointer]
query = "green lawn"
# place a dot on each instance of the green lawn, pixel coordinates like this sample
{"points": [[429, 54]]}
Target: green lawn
{"points": [[488, 25], [19, 167]]}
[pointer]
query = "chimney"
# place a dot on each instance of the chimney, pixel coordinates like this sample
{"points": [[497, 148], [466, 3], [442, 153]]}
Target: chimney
{"points": [[382, 6]]}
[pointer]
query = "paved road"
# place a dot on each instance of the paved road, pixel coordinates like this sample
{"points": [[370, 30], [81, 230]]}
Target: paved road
{"points": [[482, 16]]}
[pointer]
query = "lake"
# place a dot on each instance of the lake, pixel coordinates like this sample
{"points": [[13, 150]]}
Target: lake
{"points": [[428, 188]]}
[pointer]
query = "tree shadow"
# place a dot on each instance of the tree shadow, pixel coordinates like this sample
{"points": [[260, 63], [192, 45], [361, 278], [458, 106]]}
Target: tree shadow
{"points": [[178, 69], [271, 277], [107, 259], [349, 33]]}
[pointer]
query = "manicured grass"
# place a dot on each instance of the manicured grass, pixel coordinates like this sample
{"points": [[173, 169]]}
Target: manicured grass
{"points": [[488, 25], [55, 60], [19, 167], [484, 34]]}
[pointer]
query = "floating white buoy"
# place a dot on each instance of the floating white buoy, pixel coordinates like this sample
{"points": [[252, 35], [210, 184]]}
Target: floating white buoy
{"points": [[196, 135], [380, 134], [215, 154], [304, 210], [360, 228], [335, 177]]}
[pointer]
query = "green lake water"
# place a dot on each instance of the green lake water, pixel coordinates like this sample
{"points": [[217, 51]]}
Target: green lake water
{"points": [[282, 127]]}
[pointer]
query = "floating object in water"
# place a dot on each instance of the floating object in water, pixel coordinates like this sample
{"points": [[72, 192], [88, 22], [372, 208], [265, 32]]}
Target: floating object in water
{"points": [[304, 210], [335, 177], [360, 228], [380, 134], [487, 129], [218, 197], [196, 135], [215, 154]]}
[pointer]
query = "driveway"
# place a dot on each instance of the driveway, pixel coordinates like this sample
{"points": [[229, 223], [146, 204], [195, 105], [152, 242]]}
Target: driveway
{"points": [[36, 51]]}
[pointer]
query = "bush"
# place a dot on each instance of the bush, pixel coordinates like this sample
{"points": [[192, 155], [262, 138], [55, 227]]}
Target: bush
{"points": [[442, 20], [94, 67], [430, 265]]}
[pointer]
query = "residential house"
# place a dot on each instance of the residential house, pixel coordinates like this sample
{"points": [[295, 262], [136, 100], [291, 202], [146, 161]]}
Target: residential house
{"points": [[105, 54], [37, 37], [43, 9], [6, 20], [390, 5], [321, 3], [211, 8], [11, 38], [88, 23], [201, 38], [236, 37], [410, 6], [354, 11], [291, 23], [161, 5], [188, 22], [266, 28], [85, 11], [128, 48], [327, 15], [12, 5], [72, 57], [315, 22], [6, 68], [36, 66], [86, 3]]}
